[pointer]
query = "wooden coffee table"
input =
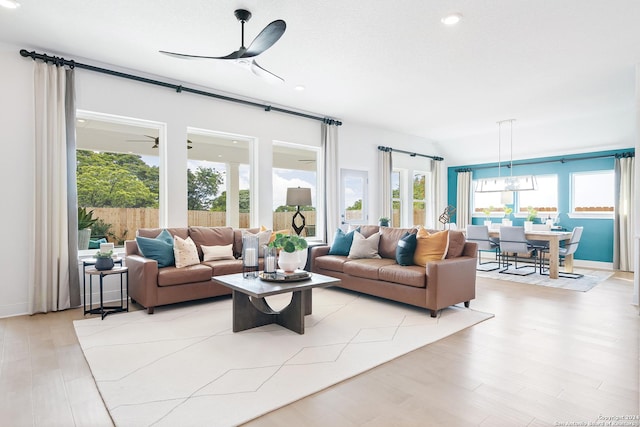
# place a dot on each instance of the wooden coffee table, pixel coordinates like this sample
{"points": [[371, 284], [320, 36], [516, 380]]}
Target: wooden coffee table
{"points": [[250, 309]]}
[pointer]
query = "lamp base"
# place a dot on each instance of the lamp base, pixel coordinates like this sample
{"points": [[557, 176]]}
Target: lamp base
{"points": [[296, 228]]}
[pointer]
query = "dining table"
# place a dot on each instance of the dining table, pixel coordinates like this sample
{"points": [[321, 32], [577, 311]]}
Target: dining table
{"points": [[553, 238]]}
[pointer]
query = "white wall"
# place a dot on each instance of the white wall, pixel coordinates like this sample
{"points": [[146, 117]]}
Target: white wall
{"points": [[117, 96]]}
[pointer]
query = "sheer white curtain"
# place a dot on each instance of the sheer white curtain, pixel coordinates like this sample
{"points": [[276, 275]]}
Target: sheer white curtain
{"points": [[329, 135], [385, 166], [623, 232], [54, 265], [463, 200], [437, 192]]}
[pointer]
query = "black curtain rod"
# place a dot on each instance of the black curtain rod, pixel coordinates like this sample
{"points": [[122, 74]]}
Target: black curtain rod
{"points": [[436, 158], [59, 62], [563, 160]]}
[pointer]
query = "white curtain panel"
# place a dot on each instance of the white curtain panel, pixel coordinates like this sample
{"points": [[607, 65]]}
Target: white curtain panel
{"points": [[623, 250], [385, 166], [49, 272], [463, 200], [329, 135], [437, 192]]}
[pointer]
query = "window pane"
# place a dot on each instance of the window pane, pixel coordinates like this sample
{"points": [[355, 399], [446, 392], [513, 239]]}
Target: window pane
{"points": [[419, 197], [483, 201], [544, 199], [294, 166], [396, 199], [117, 176], [593, 191], [218, 177]]}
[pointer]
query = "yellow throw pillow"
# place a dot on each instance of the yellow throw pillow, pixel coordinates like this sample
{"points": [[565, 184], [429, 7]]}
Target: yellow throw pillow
{"points": [[275, 233], [430, 247]]}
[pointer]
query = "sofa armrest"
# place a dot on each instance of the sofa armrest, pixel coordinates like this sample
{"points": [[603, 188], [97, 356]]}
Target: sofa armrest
{"points": [[451, 281], [317, 251], [143, 279], [131, 248]]}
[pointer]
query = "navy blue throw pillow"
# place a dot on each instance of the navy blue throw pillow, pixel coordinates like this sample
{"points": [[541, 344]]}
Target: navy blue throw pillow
{"points": [[405, 249]]}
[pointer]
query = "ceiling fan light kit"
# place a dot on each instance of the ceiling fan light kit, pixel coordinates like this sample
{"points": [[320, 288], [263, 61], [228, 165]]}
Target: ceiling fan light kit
{"points": [[244, 55]]}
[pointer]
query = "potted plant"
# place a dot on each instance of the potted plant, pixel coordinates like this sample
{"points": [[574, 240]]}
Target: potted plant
{"points": [[383, 221], [532, 214], [104, 260], [487, 214], [85, 221], [292, 251], [507, 216]]}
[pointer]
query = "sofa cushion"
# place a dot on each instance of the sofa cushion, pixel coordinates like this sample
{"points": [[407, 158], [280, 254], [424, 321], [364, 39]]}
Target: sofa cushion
{"points": [[456, 244], [342, 242], [185, 252], [366, 268], [368, 230], [406, 248], [210, 236], [331, 262], [171, 276], [412, 275], [224, 266], [158, 248], [430, 247], [362, 247], [389, 238], [215, 252]]}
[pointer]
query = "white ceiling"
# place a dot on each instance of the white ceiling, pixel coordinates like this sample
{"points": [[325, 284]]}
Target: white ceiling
{"points": [[390, 64]]}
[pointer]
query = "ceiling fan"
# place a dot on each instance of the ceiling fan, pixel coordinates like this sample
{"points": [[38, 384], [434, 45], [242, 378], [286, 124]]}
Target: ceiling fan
{"points": [[244, 56], [156, 141]]}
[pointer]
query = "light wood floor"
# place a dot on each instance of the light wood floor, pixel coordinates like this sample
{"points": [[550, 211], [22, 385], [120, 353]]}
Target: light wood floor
{"points": [[548, 357]]}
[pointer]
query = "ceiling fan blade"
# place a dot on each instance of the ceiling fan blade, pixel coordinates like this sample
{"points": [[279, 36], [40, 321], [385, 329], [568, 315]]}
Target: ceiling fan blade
{"points": [[267, 37], [267, 75], [187, 56]]}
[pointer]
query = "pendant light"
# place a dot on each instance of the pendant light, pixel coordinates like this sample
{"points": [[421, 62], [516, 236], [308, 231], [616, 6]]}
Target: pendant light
{"points": [[507, 183]]}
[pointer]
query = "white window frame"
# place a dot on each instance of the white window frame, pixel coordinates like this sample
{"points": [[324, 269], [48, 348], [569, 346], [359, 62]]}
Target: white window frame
{"points": [[589, 214]]}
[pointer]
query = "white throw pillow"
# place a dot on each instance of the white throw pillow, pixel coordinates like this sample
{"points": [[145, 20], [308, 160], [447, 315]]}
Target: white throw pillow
{"points": [[185, 252], [213, 253], [362, 247]]}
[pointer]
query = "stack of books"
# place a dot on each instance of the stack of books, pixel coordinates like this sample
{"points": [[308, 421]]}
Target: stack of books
{"points": [[291, 275]]}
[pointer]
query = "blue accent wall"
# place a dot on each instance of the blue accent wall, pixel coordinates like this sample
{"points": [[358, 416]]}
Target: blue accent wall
{"points": [[596, 243]]}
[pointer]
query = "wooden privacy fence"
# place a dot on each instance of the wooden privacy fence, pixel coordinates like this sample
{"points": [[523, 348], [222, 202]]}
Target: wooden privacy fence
{"points": [[130, 219]]}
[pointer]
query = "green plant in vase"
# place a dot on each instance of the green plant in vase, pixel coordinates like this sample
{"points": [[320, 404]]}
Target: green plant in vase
{"points": [[85, 221], [293, 251], [532, 214], [383, 221], [104, 260]]}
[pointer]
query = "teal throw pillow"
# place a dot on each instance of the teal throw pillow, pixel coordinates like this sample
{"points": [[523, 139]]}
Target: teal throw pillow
{"points": [[405, 249], [159, 249], [95, 244], [342, 242]]}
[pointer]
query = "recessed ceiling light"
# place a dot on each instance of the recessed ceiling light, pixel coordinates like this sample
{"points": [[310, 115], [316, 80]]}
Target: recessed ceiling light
{"points": [[451, 19], [299, 88], [79, 120], [9, 4]]}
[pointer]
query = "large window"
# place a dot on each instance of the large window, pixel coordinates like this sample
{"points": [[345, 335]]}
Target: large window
{"points": [[294, 165], [592, 192], [118, 174], [218, 180]]}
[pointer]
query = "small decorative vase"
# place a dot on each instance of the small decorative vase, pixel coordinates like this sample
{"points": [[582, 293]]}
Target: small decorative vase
{"points": [[270, 260], [289, 261], [383, 223], [104, 264], [488, 223], [507, 222], [250, 254], [528, 225]]}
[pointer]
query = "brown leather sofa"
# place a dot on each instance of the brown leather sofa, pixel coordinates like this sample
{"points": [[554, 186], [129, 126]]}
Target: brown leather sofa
{"points": [[151, 286], [441, 284]]}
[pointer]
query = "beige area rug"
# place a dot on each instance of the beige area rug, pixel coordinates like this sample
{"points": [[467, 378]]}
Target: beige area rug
{"points": [[184, 366], [590, 279]]}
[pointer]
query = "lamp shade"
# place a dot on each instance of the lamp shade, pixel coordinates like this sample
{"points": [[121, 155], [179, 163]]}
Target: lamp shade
{"points": [[298, 196]]}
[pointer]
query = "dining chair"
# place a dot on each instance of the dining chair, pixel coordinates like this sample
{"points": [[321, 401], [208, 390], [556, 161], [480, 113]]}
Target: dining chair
{"points": [[513, 241], [480, 235], [569, 249]]}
